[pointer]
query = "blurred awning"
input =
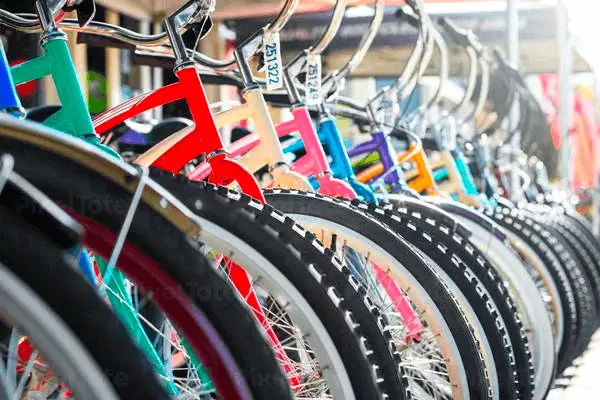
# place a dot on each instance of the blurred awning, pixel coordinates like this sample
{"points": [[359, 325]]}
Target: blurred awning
{"points": [[228, 9], [395, 38], [142, 9]]}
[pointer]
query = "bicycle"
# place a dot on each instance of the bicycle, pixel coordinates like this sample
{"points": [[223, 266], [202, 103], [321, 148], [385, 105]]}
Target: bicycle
{"points": [[321, 260]]}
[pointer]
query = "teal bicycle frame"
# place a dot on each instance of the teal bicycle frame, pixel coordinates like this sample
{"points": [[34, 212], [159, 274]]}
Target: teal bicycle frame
{"points": [[466, 178], [74, 119]]}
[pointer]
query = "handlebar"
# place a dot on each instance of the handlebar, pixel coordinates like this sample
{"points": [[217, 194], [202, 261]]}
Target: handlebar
{"points": [[471, 80], [297, 64], [406, 77], [423, 61], [405, 14], [332, 28], [287, 10], [483, 93], [444, 67], [461, 37], [363, 46], [29, 23]]}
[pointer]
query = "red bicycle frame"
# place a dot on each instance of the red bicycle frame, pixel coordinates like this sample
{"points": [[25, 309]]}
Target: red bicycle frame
{"points": [[180, 148]]}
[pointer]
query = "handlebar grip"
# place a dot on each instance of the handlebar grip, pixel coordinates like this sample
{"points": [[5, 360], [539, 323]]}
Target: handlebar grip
{"points": [[197, 31], [461, 37], [413, 4], [405, 14], [103, 41], [505, 64]]}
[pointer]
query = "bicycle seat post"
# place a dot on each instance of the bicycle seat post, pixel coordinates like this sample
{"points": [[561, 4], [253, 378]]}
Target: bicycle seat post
{"points": [[242, 53], [179, 50], [289, 73], [45, 13]]}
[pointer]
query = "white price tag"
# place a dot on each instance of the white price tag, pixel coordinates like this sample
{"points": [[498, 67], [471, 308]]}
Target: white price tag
{"points": [[273, 64], [313, 80]]}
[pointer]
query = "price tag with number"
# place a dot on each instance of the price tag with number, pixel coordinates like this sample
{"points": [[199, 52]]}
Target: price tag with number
{"points": [[313, 80], [273, 64]]}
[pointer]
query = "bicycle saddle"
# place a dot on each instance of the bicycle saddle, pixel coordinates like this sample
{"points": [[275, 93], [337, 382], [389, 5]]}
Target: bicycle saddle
{"points": [[166, 128], [141, 136], [41, 113]]}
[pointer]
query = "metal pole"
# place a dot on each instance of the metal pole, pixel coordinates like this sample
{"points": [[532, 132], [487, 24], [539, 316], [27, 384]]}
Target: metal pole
{"points": [[157, 75], [564, 71], [113, 65], [512, 50], [146, 71]]}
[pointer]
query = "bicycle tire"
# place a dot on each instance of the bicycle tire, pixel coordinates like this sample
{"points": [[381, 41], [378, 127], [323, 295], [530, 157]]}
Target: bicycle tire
{"points": [[533, 294], [158, 253], [80, 177], [221, 204], [587, 240], [583, 256], [297, 204], [574, 296], [444, 240], [574, 235], [582, 277], [40, 264]]}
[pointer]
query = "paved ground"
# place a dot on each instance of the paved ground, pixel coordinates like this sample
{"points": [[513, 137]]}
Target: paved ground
{"points": [[582, 381]]}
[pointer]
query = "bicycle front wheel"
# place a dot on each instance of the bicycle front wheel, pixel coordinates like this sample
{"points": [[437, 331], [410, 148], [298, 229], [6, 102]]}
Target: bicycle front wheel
{"points": [[447, 361], [75, 335], [158, 255]]}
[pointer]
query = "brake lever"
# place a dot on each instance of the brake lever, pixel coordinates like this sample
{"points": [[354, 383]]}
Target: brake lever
{"points": [[85, 10], [197, 31]]}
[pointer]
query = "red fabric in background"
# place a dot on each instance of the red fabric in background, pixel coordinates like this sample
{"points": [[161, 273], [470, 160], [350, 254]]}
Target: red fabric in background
{"points": [[27, 89], [583, 133]]}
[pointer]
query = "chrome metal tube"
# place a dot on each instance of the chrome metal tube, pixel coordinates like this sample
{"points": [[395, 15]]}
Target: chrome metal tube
{"points": [[332, 28], [485, 89], [471, 79], [287, 10], [444, 67]]}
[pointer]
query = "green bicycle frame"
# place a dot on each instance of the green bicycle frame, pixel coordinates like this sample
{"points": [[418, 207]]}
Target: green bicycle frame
{"points": [[74, 118]]}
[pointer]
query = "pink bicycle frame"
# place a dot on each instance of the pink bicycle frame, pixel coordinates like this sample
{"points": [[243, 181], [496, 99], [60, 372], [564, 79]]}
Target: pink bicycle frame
{"points": [[314, 162]]}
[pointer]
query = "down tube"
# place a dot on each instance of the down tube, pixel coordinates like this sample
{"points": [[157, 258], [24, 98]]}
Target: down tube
{"points": [[340, 164], [8, 94]]}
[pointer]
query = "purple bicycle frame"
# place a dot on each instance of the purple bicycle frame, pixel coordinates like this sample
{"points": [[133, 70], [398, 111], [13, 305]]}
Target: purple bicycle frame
{"points": [[387, 155]]}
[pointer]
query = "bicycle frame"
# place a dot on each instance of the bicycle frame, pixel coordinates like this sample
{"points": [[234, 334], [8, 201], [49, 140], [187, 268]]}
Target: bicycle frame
{"points": [[381, 145], [9, 100], [330, 137], [173, 153], [73, 117], [56, 50], [313, 164]]}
